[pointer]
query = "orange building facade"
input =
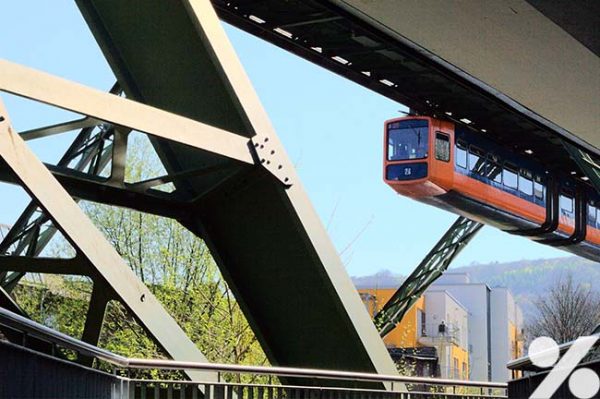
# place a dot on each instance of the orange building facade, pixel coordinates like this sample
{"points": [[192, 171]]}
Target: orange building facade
{"points": [[419, 332]]}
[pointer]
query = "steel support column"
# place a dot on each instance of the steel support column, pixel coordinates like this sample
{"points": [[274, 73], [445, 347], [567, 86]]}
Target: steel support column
{"points": [[101, 294], [267, 239], [429, 270]]}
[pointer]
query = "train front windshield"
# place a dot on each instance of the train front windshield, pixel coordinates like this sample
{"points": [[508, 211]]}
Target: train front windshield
{"points": [[408, 139]]}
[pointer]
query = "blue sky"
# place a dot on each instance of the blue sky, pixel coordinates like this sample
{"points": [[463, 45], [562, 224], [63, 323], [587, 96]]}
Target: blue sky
{"points": [[331, 128]]}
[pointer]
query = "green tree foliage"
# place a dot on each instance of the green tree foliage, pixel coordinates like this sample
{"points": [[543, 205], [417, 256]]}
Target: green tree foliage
{"points": [[59, 302]]}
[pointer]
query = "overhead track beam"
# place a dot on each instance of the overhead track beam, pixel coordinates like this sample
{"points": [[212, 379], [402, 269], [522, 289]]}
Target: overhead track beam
{"points": [[409, 54]]}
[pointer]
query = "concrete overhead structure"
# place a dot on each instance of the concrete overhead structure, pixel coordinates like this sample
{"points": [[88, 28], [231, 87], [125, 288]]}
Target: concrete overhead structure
{"points": [[546, 59]]}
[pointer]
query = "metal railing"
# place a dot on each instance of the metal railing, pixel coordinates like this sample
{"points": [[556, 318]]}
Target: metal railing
{"points": [[527, 376], [229, 381], [524, 362]]}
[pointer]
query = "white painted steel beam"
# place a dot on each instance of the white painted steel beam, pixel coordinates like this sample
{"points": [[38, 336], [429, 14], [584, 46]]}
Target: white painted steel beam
{"points": [[27, 82]]}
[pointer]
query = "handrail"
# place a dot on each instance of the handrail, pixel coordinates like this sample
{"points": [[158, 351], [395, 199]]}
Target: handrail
{"points": [[304, 372], [33, 328], [525, 361], [15, 321]]}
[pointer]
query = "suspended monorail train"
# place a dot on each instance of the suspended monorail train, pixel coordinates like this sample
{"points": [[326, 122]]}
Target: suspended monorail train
{"points": [[449, 166]]}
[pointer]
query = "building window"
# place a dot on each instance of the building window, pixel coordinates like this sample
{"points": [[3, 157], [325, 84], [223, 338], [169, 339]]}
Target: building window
{"points": [[455, 370], [422, 326]]}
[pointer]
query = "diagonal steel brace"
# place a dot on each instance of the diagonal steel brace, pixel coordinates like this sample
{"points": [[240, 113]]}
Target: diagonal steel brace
{"points": [[429, 270], [91, 244]]}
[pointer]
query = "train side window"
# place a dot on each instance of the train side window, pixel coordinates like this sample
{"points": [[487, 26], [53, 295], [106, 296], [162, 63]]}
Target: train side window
{"points": [[592, 211], [509, 176], [442, 147], [477, 161], [566, 203], [461, 154], [494, 171], [525, 182], [538, 188]]}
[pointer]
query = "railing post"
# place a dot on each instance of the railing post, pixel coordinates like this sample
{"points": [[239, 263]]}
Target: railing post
{"points": [[131, 386], [218, 391]]}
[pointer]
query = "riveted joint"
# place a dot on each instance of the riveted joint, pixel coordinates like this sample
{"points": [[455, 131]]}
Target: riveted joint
{"points": [[269, 156]]}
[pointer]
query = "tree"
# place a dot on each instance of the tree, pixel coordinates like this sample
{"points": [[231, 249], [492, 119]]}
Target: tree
{"points": [[566, 312]]}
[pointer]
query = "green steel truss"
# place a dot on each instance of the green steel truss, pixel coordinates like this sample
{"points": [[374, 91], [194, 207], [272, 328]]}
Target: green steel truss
{"points": [[430, 268], [89, 153]]}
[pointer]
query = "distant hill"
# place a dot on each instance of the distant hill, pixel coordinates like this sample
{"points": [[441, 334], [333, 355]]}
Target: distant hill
{"points": [[381, 279], [526, 279]]}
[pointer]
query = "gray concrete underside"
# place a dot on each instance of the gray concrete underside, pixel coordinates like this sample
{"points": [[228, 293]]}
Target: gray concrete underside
{"points": [[511, 47]]}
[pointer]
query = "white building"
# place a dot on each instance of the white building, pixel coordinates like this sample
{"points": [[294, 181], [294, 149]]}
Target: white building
{"points": [[452, 340], [506, 322], [494, 325]]}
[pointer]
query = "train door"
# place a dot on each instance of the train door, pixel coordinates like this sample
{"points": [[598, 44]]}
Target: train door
{"points": [[442, 148]]}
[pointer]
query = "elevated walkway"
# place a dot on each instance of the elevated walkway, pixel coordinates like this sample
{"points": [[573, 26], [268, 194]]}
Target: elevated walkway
{"points": [[26, 373]]}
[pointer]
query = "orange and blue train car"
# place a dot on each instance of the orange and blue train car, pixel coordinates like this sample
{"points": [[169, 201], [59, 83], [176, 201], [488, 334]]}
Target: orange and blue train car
{"points": [[449, 166]]}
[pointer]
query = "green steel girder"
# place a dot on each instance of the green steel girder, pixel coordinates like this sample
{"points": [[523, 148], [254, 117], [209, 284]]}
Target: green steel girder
{"points": [[429, 270], [31, 234], [117, 280], [266, 238]]}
